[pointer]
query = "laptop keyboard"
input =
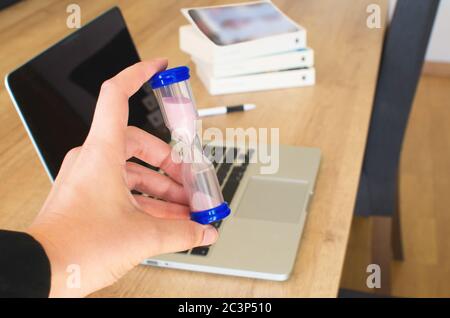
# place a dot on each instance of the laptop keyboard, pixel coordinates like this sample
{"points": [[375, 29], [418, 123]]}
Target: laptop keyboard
{"points": [[229, 176]]}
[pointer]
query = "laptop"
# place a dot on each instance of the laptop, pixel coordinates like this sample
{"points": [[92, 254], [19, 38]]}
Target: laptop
{"points": [[55, 95]]}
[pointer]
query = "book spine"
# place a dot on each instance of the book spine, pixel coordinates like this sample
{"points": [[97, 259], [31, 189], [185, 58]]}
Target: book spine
{"points": [[276, 62], [257, 82], [270, 45], [196, 45]]}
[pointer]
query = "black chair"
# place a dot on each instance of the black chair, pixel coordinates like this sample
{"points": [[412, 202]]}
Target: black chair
{"points": [[404, 50]]}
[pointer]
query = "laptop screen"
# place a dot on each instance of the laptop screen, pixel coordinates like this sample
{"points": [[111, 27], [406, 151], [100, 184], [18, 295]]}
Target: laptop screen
{"points": [[56, 92]]}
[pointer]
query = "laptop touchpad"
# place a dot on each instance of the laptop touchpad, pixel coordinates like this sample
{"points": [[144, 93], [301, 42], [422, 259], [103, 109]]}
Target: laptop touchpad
{"points": [[273, 199]]}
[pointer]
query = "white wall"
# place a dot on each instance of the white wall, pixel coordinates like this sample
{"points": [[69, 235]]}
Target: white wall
{"points": [[439, 46]]}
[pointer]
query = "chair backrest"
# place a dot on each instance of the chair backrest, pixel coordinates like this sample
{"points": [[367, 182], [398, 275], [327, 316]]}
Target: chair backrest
{"points": [[403, 55]]}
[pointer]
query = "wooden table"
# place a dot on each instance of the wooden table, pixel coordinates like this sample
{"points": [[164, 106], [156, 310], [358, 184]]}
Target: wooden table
{"points": [[333, 116]]}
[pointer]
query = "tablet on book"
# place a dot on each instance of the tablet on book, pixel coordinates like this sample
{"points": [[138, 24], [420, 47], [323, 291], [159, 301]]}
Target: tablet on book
{"points": [[239, 31], [236, 23]]}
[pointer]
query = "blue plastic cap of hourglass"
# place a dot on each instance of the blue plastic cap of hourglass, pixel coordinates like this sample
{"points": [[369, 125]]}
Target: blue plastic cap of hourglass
{"points": [[211, 215], [170, 76]]}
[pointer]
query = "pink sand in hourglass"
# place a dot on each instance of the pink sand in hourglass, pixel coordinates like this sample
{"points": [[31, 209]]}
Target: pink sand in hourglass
{"points": [[201, 184], [181, 115]]}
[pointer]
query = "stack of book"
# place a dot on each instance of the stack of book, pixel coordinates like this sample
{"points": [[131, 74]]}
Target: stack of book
{"points": [[247, 47]]}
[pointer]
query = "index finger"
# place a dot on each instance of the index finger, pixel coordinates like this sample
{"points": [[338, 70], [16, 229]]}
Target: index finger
{"points": [[111, 113], [153, 151]]}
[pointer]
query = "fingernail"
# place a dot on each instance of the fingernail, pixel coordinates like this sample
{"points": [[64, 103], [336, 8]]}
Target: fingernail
{"points": [[209, 236]]}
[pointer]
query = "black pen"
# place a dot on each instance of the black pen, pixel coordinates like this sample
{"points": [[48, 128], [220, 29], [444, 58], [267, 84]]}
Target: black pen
{"points": [[220, 110]]}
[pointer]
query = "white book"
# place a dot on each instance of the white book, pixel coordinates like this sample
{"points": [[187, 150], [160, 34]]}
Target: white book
{"points": [[258, 82], [233, 32], [275, 62]]}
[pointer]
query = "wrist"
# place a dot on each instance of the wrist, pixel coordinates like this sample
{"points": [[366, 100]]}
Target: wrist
{"points": [[60, 280]]}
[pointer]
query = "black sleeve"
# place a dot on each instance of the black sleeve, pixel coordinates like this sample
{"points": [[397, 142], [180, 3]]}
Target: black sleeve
{"points": [[24, 266]]}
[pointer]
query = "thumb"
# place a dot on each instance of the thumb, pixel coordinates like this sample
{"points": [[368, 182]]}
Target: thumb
{"points": [[111, 112], [179, 235]]}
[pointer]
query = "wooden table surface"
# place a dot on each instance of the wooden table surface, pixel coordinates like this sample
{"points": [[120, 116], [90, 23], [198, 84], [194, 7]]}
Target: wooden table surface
{"points": [[333, 115]]}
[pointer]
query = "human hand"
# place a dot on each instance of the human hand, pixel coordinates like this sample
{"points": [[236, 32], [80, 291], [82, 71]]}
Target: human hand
{"points": [[91, 219]]}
